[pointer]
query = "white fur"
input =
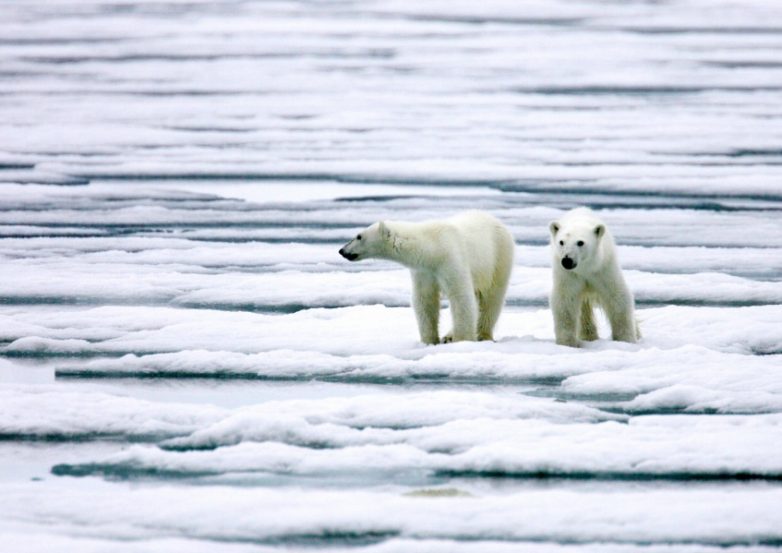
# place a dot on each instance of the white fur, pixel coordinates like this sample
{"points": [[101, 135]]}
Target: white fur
{"points": [[595, 281], [468, 258]]}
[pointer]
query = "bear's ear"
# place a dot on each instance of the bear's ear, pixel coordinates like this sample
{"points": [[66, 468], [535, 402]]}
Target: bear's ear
{"points": [[553, 228], [385, 232], [600, 230]]}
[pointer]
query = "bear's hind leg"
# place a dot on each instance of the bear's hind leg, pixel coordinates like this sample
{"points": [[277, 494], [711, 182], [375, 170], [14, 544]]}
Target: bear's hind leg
{"points": [[490, 302], [426, 304], [620, 309], [464, 309], [587, 329], [489, 307], [624, 327]]}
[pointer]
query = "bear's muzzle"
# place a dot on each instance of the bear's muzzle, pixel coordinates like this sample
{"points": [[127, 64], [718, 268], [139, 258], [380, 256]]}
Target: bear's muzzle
{"points": [[347, 255]]}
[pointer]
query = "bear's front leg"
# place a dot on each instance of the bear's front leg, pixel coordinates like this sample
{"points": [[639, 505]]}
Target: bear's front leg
{"points": [[566, 307], [464, 308], [587, 329], [426, 304]]}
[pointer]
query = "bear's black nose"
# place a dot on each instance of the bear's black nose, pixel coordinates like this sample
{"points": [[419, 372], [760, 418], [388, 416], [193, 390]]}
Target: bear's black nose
{"points": [[346, 255], [568, 263]]}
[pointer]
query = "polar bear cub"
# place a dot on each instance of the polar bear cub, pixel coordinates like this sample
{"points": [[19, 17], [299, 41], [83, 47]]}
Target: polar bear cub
{"points": [[468, 258], [587, 274]]}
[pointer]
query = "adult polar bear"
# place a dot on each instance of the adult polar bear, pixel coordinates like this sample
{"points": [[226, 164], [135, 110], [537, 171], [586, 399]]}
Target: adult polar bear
{"points": [[587, 273], [467, 257]]}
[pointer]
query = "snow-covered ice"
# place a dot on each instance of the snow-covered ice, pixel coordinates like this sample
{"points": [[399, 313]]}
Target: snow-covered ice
{"points": [[187, 364], [268, 515]]}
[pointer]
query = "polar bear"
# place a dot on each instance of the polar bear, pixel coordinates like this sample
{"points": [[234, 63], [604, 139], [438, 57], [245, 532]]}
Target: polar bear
{"points": [[467, 257], [587, 274]]}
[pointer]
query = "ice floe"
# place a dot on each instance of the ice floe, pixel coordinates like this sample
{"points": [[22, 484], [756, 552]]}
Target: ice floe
{"points": [[654, 517], [176, 177]]}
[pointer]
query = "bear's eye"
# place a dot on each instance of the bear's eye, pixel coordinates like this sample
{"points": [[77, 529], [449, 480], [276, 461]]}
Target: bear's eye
{"points": [[580, 243], [358, 237], [561, 242]]}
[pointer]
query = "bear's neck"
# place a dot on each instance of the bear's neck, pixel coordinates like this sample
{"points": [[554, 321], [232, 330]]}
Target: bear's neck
{"points": [[405, 245]]}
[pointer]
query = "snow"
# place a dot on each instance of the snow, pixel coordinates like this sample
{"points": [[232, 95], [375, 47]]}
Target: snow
{"points": [[187, 364], [356, 330], [92, 414], [441, 431], [47, 412], [646, 447], [257, 515], [26, 543]]}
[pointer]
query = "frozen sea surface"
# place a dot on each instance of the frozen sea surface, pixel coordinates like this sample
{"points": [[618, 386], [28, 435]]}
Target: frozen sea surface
{"points": [[187, 364]]}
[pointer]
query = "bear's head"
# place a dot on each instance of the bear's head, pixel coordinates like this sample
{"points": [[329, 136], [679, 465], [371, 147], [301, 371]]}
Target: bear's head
{"points": [[574, 244], [371, 242]]}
